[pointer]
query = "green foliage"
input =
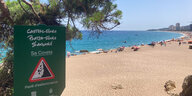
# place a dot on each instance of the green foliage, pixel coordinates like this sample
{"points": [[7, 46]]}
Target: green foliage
{"points": [[73, 33], [53, 3], [18, 15], [104, 17], [97, 17]]}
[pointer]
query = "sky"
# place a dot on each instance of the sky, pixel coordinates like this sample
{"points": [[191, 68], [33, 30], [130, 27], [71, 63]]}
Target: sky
{"points": [[151, 14]]}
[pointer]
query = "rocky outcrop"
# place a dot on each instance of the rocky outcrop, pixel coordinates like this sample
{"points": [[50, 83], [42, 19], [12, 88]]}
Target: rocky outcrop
{"points": [[187, 86], [169, 86], [82, 51]]}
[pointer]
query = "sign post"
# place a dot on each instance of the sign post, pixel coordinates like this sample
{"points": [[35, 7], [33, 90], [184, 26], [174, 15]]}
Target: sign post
{"points": [[39, 62]]}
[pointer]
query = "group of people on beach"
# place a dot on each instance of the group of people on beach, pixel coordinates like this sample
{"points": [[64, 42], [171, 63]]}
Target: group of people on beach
{"points": [[163, 43], [135, 47]]}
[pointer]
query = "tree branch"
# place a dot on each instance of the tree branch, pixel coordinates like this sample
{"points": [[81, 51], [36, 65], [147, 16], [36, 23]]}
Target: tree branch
{"points": [[67, 30], [23, 7], [102, 26], [1, 18], [73, 22], [25, 11], [5, 11], [79, 2], [35, 13]]}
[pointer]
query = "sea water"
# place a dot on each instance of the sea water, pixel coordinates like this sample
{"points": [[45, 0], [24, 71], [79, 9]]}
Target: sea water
{"points": [[114, 39], [111, 40], [2, 52]]}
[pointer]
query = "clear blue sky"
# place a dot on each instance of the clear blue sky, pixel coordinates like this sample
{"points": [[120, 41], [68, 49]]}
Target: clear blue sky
{"points": [[147, 14]]}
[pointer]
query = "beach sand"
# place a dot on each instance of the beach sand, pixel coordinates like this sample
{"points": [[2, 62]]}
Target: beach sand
{"points": [[128, 73]]}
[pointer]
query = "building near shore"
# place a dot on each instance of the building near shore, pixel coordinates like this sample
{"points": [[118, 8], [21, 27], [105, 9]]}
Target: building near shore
{"points": [[171, 27], [178, 28], [190, 26], [185, 28]]}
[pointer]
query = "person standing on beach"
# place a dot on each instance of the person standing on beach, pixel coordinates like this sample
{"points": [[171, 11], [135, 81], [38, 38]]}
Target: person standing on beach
{"points": [[68, 54], [164, 42], [179, 43], [161, 43]]}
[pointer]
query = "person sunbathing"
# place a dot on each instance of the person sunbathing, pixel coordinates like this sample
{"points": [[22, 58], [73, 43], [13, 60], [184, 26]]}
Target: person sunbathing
{"points": [[136, 48]]}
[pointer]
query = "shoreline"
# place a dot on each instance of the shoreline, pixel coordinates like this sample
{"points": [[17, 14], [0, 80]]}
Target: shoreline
{"points": [[184, 34]]}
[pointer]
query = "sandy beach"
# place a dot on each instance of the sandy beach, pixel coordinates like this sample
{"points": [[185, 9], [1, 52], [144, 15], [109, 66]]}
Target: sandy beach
{"points": [[128, 73]]}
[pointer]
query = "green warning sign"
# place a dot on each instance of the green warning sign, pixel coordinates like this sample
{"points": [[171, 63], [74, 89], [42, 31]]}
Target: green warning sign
{"points": [[39, 62]]}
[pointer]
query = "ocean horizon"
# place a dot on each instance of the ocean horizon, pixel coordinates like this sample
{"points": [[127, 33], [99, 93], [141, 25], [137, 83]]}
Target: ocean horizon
{"points": [[114, 39]]}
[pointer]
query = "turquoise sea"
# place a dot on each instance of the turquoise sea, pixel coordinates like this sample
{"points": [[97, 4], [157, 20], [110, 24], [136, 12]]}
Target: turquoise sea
{"points": [[2, 52], [114, 39]]}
